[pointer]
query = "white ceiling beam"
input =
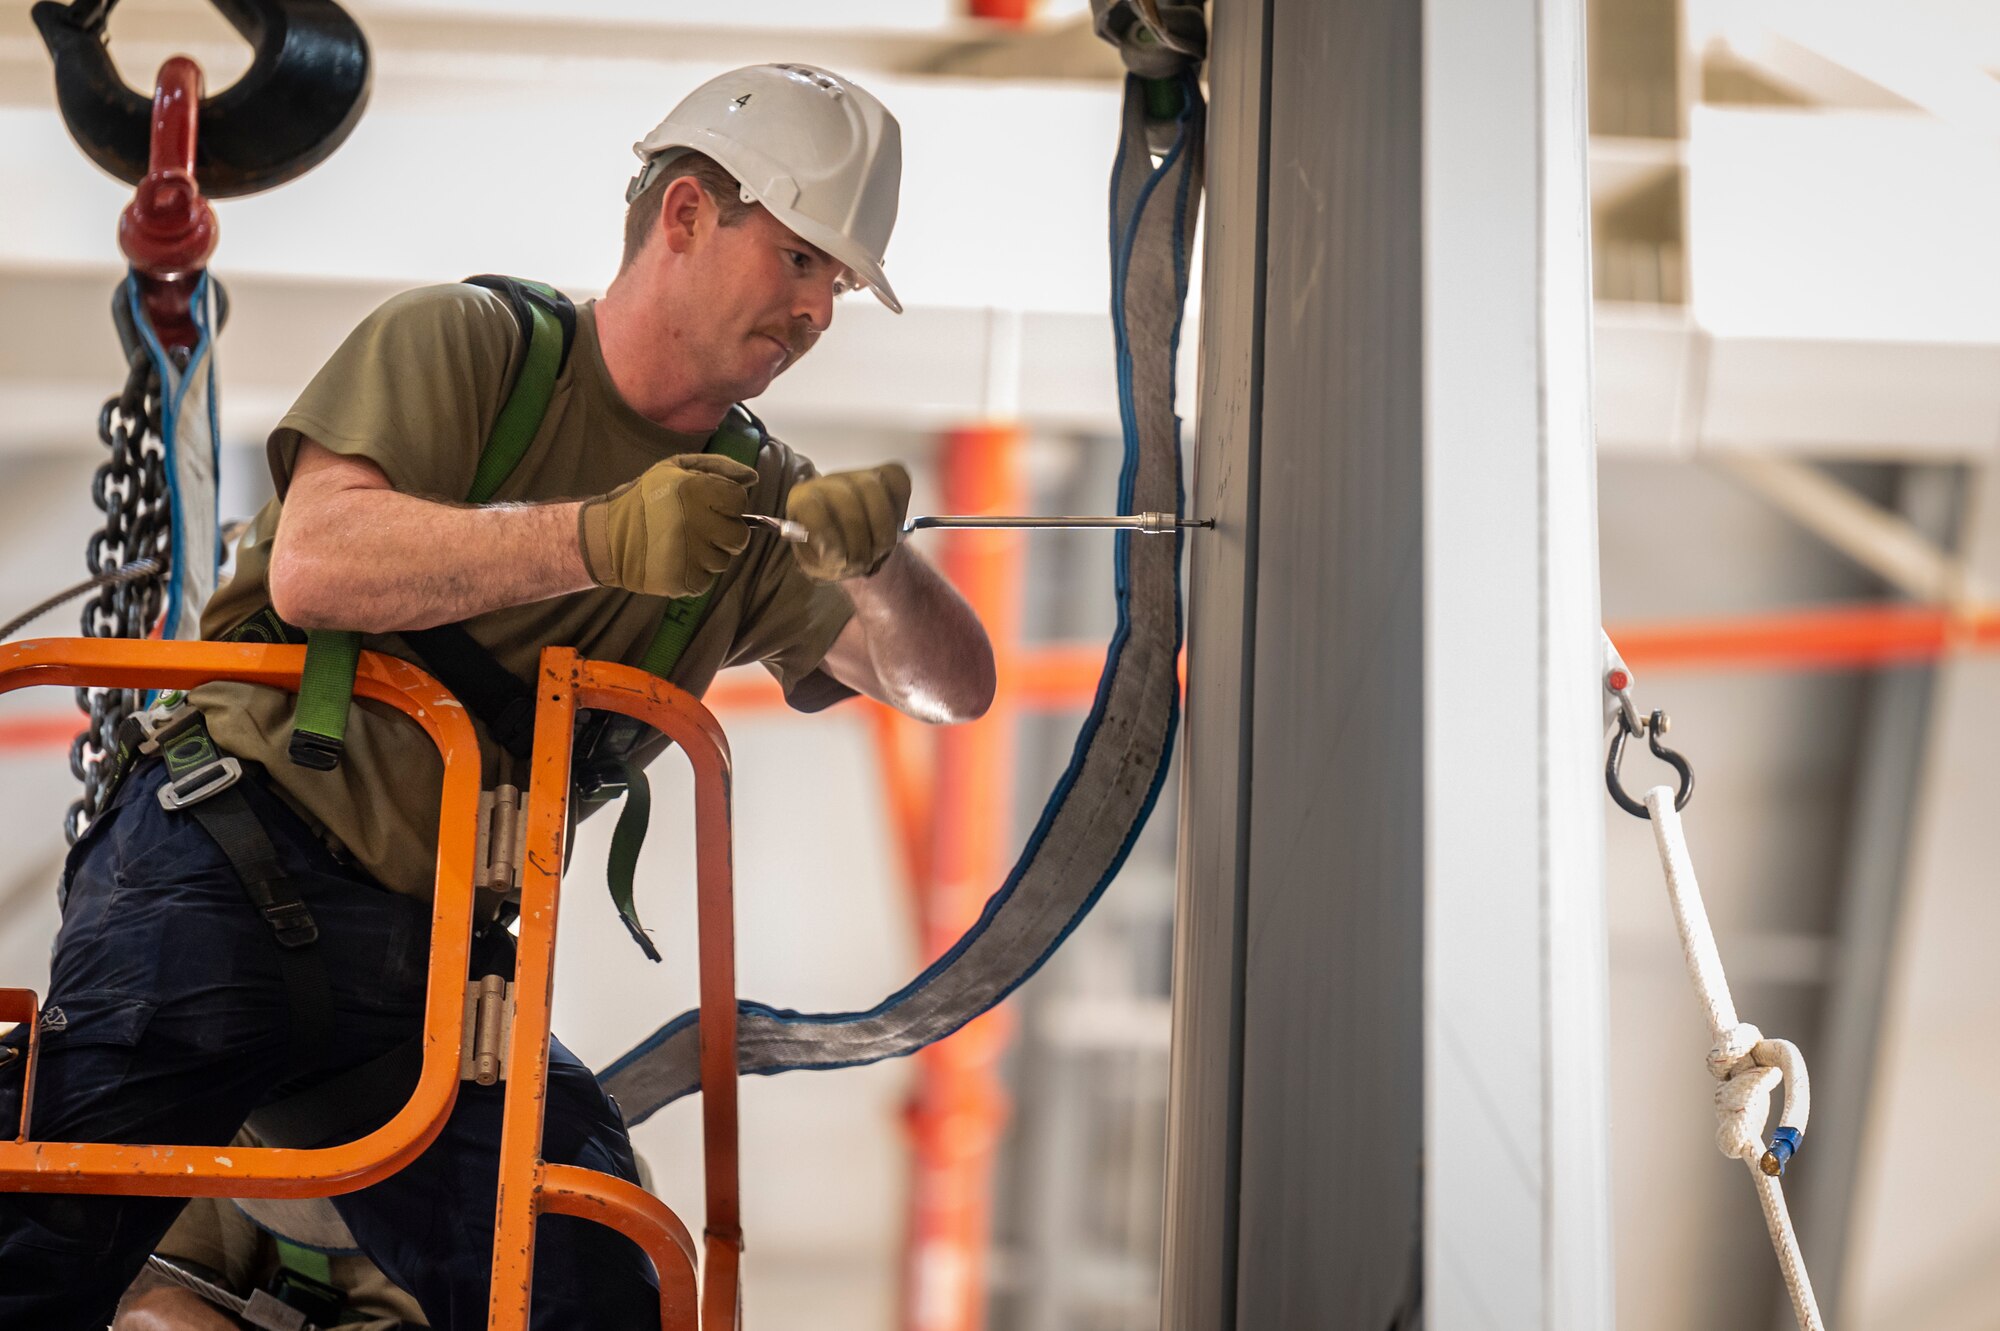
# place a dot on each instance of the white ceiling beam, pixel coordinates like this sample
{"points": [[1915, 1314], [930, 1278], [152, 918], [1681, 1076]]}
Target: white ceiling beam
{"points": [[1922, 58], [1885, 543], [1667, 388], [925, 369]]}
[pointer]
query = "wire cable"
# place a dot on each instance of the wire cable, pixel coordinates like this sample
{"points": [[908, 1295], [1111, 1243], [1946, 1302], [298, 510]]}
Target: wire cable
{"points": [[132, 572]]}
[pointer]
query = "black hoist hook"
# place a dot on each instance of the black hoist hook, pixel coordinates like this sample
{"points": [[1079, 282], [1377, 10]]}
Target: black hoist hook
{"points": [[304, 91]]}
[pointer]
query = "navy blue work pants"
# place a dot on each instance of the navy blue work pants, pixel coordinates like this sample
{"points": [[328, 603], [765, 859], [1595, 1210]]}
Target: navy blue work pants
{"points": [[166, 1023]]}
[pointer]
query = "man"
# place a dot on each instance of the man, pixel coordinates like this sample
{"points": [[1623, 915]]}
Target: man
{"points": [[765, 194]]}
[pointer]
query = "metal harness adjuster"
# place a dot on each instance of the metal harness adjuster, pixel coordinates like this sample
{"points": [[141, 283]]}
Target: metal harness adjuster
{"points": [[196, 769]]}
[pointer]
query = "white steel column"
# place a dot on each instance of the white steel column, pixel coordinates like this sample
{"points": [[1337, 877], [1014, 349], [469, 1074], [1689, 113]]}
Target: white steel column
{"points": [[1517, 1199], [1389, 1068]]}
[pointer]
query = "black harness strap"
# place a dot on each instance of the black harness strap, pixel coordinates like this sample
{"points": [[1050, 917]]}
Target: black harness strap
{"points": [[202, 784], [489, 690], [344, 1107]]}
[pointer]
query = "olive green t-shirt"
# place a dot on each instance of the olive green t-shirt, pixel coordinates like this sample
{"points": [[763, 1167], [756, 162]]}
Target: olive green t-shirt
{"points": [[415, 390]]}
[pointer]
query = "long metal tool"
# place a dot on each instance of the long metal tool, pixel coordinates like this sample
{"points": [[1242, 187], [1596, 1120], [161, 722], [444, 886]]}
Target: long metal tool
{"points": [[1156, 523]]}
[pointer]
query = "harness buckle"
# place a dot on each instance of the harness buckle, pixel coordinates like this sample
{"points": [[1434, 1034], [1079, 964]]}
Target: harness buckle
{"points": [[291, 923], [157, 725], [209, 779], [196, 769]]}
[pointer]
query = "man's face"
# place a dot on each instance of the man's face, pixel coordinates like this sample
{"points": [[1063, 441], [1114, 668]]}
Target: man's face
{"points": [[759, 297]]}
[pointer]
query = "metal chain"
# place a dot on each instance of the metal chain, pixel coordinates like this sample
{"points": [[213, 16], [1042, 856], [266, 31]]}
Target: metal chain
{"points": [[130, 488]]}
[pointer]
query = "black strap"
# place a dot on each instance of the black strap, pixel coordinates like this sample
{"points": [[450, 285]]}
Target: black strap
{"points": [[489, 690], [228, 818], [236, 829], [519, 295], [346, 1105], [265, 627]]}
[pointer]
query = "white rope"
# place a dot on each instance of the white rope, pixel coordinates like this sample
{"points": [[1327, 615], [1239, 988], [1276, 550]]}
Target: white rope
{"points": [[1748, 1066]]}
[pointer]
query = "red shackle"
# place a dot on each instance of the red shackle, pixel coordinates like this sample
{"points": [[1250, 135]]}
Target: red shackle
{"points": [[168, 230]]}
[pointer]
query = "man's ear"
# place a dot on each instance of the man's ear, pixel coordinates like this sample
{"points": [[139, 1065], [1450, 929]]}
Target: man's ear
{"points": [[681, 208]]}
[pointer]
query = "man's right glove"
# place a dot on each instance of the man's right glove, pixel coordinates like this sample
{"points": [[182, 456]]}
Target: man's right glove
{"points": [[671, 531]]}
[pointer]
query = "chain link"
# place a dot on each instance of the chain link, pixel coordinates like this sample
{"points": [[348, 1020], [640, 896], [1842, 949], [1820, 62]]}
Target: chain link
{"points": [[130, 489]]}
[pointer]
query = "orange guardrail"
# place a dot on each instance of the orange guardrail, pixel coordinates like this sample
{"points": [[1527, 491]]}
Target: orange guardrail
{"points": [[205, 1171], [529, 1186]]}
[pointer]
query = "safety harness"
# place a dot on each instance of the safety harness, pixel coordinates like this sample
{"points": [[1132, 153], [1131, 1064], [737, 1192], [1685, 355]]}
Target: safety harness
{"points": [[505, 704], [502, 701]]}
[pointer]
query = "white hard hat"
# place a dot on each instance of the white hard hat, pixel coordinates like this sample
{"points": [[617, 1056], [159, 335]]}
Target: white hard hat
{"points": [[815, 149]]}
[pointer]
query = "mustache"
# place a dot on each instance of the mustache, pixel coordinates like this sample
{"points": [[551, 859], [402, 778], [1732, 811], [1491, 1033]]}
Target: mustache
{"points": [[798, 338]]}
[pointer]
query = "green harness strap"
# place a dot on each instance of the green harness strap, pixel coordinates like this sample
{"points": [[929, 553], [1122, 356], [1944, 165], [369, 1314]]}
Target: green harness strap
{"points": [[304, 1287], [308, 1263], [514, 429], [326, 688], [737, 440]]}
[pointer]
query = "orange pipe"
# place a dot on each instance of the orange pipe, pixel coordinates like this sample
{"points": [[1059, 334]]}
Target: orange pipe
{"points": [[57, 731], [525, 1105], [906, 788], [648, 1222], [1015, 13], [1815, 638], [19, 1008], [203, 1171], [959, 1109], [529, 1186]]}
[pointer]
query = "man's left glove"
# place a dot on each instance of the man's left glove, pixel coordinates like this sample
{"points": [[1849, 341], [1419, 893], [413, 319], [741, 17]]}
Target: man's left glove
{"points": [[853, 520]]}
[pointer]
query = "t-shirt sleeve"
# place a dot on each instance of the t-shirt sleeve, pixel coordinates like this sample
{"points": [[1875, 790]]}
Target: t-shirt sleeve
{"points": [[414, 389], [789, 621]]}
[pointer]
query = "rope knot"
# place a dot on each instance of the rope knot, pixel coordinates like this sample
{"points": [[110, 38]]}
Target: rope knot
{"points": [[1730, 1050], [1750, 1067]]}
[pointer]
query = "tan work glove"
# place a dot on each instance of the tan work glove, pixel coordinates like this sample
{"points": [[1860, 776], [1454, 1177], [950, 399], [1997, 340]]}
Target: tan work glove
{"points": [[853, 520], [671, 531]]}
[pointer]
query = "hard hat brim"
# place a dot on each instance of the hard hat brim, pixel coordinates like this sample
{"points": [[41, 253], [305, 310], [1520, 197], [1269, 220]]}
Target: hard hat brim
{"points": [[842, 248]]}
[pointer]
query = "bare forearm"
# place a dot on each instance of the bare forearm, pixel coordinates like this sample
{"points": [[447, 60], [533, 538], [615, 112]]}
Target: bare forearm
{"points": [[381, 562], [926, 649]]}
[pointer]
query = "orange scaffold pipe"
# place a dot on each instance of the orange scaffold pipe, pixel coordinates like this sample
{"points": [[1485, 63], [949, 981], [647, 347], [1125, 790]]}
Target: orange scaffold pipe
{"points": [[27, 1165], [529, 1186]]}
